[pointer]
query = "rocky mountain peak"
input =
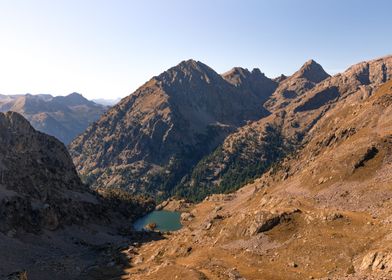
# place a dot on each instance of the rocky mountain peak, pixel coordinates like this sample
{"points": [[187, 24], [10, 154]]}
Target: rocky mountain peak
{"points": [[73, 99], [188, 71], [190, 63], [257, 72], [244, 73], [281, 78], [312, 71], [14, 122], [255, 81], [236, 75]]}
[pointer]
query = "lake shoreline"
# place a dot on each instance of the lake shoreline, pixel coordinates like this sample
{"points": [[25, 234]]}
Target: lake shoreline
{"points": [[160, 220]]}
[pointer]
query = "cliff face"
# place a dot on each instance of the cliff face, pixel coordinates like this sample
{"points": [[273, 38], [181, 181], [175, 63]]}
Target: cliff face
{"points": [[151, 139], [39, 185], [49, 220]]}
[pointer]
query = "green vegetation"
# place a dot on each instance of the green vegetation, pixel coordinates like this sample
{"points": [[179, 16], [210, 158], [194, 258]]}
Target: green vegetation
{"points": [[242, 167], [129, 205]]}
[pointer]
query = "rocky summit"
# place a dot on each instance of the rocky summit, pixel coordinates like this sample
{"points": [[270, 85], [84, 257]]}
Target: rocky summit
{"points": [[149, 141]]}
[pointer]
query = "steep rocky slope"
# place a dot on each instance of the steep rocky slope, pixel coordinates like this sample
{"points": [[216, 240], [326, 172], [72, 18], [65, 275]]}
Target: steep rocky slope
{"points": [[152, 138], [62, 116], [253, 148], [321, 213], [38, 181], [45, 208]]}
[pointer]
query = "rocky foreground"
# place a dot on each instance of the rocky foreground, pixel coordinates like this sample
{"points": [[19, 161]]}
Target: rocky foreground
{"points": [[322, 213], [51, 225]]}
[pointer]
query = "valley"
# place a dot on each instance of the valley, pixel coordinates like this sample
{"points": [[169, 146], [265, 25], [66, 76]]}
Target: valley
{"points": [[195, 140], [198, 175]]}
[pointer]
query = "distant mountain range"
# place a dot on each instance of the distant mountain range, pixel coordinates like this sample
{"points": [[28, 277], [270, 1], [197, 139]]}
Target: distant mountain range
{"points": [[106, 102], [62, 116]]}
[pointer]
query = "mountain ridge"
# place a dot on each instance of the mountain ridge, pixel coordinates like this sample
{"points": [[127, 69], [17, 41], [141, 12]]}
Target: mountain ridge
{"points": [[185, 140], [164, 127]]}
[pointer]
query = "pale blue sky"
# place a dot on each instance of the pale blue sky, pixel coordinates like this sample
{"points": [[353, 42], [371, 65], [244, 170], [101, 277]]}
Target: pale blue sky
{"points": [[108, 48]]}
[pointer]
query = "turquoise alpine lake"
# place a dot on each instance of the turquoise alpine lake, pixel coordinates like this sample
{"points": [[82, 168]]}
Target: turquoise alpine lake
{"points": [[164, 220]]}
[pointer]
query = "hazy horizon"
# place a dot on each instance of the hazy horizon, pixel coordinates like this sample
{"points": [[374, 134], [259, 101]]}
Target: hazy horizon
{"points": [[107, 49]]}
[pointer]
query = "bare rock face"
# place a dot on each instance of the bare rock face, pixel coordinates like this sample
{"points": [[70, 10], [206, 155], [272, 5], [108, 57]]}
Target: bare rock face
{"points": [[377, 261], [39, 186], [254, 82], [151, 139], [265, 221]]}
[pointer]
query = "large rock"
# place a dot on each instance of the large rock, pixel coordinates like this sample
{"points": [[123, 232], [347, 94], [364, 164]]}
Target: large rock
{"points": [[377, 261]]}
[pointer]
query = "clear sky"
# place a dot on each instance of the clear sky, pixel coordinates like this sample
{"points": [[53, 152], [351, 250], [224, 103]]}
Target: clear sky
{"points": [[106, 49]]}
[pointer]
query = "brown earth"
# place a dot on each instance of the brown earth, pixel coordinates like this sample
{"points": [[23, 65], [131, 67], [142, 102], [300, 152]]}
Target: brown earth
{"points": [[322, 213]]}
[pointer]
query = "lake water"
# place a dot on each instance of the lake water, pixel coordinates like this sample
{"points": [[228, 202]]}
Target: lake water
{"points": [[165, 220]]}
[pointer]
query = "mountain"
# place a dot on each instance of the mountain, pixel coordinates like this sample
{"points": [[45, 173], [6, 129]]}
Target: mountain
{"points": [[49, 219], [176, 135], [290, 179], [310, 74], [153, 137], [321, 212], [107, 102], [62, 116], [254, 148]]}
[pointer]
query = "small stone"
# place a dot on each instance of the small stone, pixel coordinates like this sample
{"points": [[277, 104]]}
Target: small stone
{"points": [[293, 264], [350, 270]]}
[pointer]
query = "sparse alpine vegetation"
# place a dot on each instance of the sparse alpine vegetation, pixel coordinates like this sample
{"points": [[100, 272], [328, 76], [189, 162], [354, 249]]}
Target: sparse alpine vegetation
{"points": [[191, 132]]}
